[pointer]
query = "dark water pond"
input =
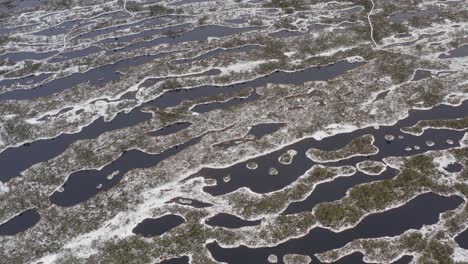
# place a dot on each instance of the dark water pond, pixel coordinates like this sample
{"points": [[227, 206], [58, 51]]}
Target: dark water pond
{"points": [[27, 55], [84, 184], [459, 52], [404, 16], [151, 227], [73, 54], [196, 34], [255, 179], [10, 30], [357, 258], [181, 260], [421, 74], [454, 167], [462, 239], [15, 160], [20, 223], [175, 97], [230, 221], [261, 130], [97, 76], [334, 190], [204, 108], [412, 215], [25, 80], [145, 33]]}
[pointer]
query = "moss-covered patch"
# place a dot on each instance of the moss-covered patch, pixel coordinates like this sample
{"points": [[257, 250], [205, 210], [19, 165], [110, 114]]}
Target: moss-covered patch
{"points": [[371, 167], [362, 146], [287, 157], [456, 124]]}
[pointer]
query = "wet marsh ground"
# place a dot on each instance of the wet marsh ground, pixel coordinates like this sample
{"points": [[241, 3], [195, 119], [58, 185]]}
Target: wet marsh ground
{"points": [[274, 131]]}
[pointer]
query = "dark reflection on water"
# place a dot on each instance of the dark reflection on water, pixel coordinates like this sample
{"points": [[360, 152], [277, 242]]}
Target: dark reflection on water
{"points": [[412, 215], [151, 227], [230, 221], [20, 223], [84, 184], [256, 179], [462, 239]]}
